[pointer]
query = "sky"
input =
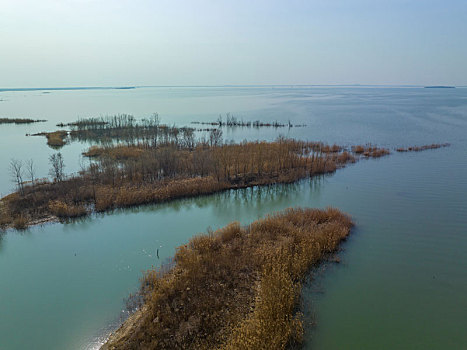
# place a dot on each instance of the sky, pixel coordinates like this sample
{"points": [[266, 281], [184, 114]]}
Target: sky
{"points": [[63, 43]]}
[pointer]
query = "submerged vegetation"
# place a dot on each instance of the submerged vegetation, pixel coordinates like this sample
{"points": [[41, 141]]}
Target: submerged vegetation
{"points": [[232, 121], [236, 288], [422, 148], [120, 128], [124, 128], [20, 121]]}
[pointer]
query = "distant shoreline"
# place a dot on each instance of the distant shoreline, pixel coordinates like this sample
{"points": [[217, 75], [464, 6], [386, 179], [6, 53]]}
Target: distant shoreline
{"points": [[439, 87], [71, 88]]}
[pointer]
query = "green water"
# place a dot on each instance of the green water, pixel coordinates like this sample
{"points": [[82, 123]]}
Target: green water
{"points": [[402, 279]]}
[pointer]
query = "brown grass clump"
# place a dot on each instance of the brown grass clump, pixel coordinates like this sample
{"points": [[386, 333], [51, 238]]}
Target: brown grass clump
{"points": [[93, 151], [55, 139], [236, 288], [344, 158], [370, 151], [64, 210], [331, 149], [118, 152], [376, 152], [4, 221], [20, 222], [358, 149]]}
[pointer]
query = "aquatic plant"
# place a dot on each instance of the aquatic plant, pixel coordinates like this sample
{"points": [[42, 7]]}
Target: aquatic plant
{"points": [[232, 121]]}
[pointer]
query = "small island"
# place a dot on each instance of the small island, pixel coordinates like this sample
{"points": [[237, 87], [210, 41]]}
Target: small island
{"points": [[20, 121], [439, 87]]}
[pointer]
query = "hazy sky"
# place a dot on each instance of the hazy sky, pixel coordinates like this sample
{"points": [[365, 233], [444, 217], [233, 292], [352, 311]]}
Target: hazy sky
{"points": [[142, 42]]}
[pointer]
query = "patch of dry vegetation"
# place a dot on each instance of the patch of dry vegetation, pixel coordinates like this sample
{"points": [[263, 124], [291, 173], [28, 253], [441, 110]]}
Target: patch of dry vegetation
{"points": [[117, 152], [66, 210], [370, 151], [20, 222], [128, 175], [55, 139], [236, 288]]}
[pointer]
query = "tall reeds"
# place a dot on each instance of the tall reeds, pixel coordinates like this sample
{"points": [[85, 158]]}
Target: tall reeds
{"points": [[236, 288], [127, 175]]}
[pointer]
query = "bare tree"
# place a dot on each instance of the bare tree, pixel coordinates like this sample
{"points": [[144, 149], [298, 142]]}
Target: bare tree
{"points": [[215, 137], [56, 171], [16, 172], [31, 169]]}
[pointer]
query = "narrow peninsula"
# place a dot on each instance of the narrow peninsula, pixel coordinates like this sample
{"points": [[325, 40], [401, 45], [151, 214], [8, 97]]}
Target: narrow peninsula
{"points": [[236, 288]]}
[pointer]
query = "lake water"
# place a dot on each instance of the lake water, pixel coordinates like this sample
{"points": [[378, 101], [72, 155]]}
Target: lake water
{"points": [[402, 279]]}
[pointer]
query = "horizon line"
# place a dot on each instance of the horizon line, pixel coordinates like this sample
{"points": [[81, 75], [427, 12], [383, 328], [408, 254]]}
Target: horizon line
{"points": [[129, 87]]}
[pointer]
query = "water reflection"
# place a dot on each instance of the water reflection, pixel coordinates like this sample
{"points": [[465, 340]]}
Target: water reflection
{"points": [[2, 235], [226, 204]]}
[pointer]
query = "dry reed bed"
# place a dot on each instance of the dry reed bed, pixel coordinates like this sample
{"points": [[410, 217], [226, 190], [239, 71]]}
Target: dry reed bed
{"points": [[370, 151], [236, 288], [129, 175]]}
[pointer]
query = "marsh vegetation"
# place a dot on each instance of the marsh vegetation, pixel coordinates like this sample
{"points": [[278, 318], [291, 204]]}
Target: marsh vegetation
{"points": [[120, 128], [232, 122], [126, 175], [55, 139], [236, 288], [20, 121], [125, 128], [153, 163], [370, 151]]}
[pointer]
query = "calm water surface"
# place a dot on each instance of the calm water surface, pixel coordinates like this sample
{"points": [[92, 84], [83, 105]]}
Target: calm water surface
{"points": [[402, 280]]}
